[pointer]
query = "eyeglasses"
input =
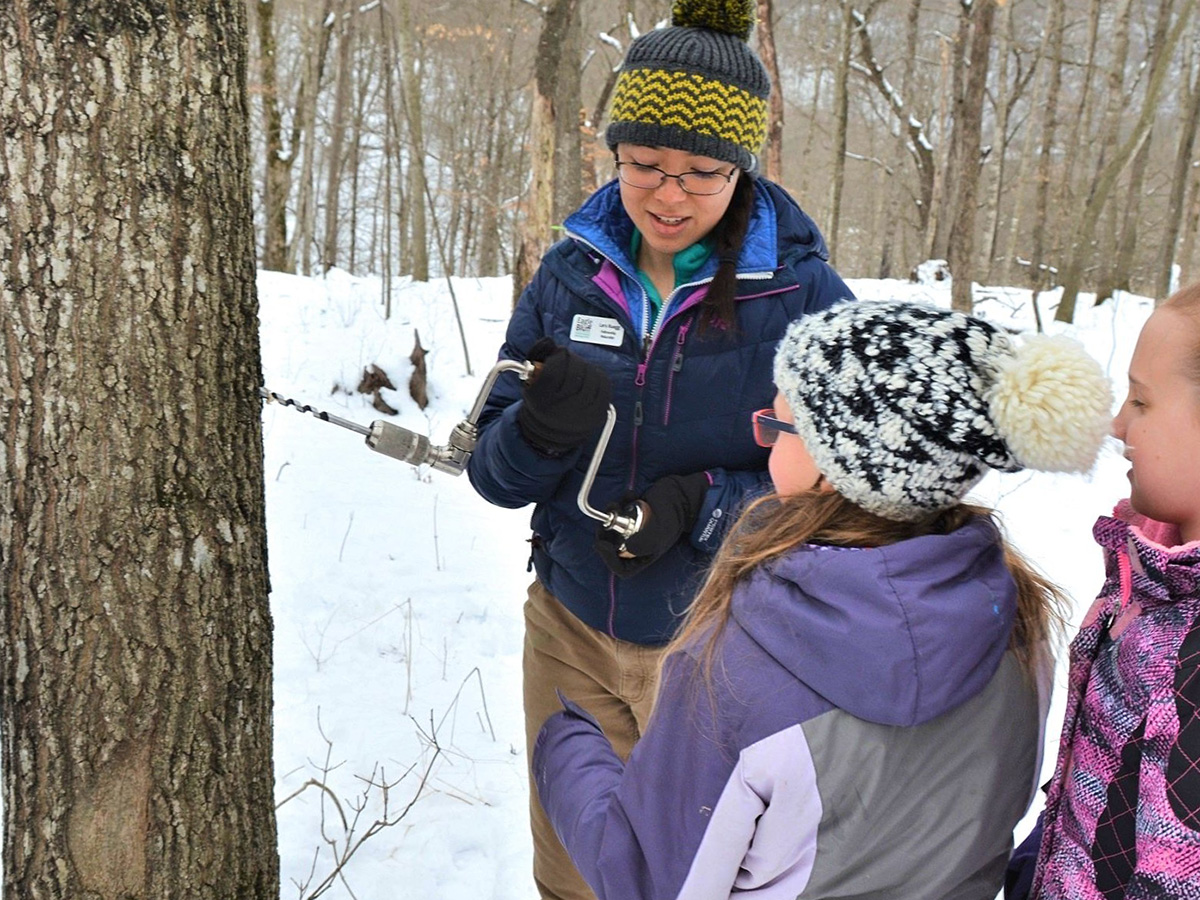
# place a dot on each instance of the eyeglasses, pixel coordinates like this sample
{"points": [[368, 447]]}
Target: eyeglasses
{"points": [[767, 428], [649, 178]]}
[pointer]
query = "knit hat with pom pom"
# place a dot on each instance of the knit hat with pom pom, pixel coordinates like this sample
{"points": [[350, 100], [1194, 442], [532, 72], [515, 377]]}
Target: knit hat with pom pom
{"points": [[695, 86], [904, 407]]}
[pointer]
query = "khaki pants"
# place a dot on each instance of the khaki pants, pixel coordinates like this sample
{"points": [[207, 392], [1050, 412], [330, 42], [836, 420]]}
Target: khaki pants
{"points": [[613, 680]]}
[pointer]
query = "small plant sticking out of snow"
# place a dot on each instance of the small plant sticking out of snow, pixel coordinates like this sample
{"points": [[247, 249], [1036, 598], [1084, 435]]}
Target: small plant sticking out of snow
{"points": [[932, 271], [373, 380]]}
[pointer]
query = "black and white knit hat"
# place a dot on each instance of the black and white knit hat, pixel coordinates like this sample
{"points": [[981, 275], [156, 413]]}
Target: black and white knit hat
{"points": [[904, 407], [695, 85]]}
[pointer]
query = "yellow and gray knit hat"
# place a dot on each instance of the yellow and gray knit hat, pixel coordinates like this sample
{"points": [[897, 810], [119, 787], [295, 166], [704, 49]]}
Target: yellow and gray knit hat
{"points": [[695, 86]]}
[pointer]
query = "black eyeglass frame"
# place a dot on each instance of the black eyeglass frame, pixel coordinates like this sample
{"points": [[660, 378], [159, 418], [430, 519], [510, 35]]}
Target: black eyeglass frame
{"points": [[763, 420], [728, 176]]}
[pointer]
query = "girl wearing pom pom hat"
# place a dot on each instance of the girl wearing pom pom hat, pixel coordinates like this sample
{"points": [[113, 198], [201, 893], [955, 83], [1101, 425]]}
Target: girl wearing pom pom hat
{"points": [[667, 299], [854, 705], [1122, 816]]}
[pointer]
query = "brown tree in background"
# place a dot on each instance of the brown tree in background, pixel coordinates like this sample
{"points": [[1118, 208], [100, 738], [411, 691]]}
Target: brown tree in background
{"points": [[133, 589], [444, 125], [553, 136], [766, 50], [968, 138], [1110, 168]]}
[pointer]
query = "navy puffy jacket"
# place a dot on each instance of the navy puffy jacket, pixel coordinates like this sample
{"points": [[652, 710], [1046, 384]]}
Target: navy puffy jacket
{"points": [[683, 401]]}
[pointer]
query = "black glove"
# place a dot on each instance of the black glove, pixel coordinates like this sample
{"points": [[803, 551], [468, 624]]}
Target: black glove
{"points": [[670, 507], [565, 402]]}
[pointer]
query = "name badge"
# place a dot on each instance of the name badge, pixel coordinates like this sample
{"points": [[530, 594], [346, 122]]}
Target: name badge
{"points": [[595, 330]]}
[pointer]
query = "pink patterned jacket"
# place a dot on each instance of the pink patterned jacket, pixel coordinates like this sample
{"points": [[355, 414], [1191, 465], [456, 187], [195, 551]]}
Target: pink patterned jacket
{"points": [[1122, 815]]}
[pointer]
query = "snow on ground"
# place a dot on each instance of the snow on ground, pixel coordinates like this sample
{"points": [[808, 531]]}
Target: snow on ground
{"points": [[397, 591]]}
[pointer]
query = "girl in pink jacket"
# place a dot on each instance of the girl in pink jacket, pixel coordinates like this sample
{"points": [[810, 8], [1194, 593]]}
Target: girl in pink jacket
{"points": [[1122, 816]]}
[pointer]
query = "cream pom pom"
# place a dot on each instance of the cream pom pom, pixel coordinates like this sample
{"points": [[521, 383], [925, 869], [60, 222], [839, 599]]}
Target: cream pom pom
{"points": [[1052, 404]]}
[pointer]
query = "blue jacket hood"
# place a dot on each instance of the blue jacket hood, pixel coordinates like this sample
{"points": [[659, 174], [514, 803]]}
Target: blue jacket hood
{"points": [[896, 635]]}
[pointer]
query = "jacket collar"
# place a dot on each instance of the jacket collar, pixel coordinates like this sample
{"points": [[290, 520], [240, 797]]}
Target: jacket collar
{"points": [[603, 224], [1163, 570]]}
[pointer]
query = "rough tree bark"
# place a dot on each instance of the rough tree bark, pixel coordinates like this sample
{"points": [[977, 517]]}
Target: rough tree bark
{"points": [[1191, 227], [841, 118], [766, 49], [1189, 120], [545, 131], [337, 138], [277, 166], [410, 85], [568, 117], [1054, 42], [968, 131], [1119, 275], [134, 624]]}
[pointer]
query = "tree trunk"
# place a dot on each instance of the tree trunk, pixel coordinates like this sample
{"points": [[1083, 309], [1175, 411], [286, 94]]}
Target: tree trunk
{"points": [[1054, 37], [911, 130], [1191, 227], [766, 50], [390, 161], [337, 138], [568, 108], [277, 175], [1004, 104], [1120, 277], [1189, 120], [410, 84], [534, 236], [968, 131], [841, 115], [368, 81], [133, 587], [304, 133], [1081, 124], [1160, 59], [952, 87]]}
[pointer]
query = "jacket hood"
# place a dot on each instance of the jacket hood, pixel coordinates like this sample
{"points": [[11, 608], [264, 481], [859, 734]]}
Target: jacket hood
{"points": [[896, 635], [780, 231]]}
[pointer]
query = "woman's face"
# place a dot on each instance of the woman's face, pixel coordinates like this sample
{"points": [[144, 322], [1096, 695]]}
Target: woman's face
{"points": [[668, 217]]}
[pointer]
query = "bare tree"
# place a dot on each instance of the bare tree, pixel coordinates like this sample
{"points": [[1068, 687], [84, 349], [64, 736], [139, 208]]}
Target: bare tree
{"points": [[277, 171], [841, 116], [496, 163], [304, 135], [547, 153], [414, 117], [766, 48], [133, 583], [1049, 127], [337, 128], [1106, 179], [910, 129], [968, 127], [1189, 121]]}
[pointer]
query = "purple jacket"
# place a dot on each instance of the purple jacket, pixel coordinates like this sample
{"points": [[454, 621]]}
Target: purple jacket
{"points": [[867, 734], [1122, 815]]}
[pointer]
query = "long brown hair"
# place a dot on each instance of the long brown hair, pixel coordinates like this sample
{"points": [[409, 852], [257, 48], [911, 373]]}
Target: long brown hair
{"points": [[728, 236], [774, 525]]}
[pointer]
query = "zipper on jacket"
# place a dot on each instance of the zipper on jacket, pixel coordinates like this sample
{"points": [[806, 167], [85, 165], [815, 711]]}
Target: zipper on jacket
{"points": [[676, 366]]}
